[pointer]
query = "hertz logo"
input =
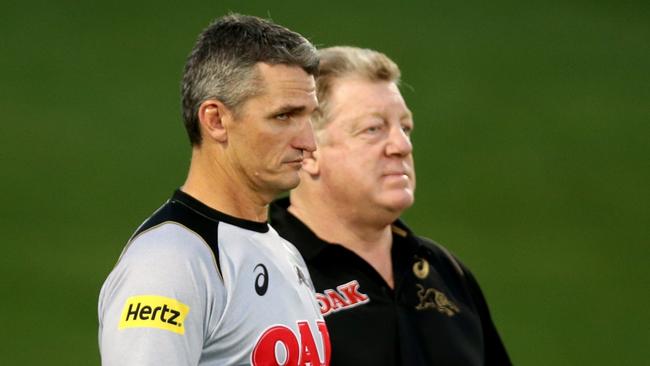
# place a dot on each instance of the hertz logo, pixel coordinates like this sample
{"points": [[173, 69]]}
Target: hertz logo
{"points": [[152, 311]]}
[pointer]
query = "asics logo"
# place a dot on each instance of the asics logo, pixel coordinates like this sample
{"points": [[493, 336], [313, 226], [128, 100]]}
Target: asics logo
{"points": [[261, 280]]}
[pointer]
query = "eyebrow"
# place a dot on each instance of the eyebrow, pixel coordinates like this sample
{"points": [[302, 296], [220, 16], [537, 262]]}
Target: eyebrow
{"points": [[406, 115], [358, 119], [288, 109]]}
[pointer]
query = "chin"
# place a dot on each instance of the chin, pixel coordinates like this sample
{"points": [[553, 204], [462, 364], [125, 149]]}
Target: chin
{"points": [[288, 182], [399, 203]]}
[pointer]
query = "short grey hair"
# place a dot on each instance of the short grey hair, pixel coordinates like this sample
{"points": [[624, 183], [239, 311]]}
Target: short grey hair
{"points": [[222, 63]]}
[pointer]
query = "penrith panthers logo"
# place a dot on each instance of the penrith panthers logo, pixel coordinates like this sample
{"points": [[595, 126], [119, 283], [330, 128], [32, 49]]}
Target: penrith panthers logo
{"points": [[430, 298], [344, 297]]}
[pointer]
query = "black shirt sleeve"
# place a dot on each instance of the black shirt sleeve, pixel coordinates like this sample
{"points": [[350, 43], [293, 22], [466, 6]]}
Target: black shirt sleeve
{"points": [[495, 352]]}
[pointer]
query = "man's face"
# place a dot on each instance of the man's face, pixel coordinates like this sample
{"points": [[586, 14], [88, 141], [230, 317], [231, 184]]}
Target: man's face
{"points": [[272, 129], [365, 151]]}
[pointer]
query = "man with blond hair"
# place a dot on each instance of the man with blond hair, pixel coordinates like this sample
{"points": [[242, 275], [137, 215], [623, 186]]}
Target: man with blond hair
{"points": [[389, 297]]}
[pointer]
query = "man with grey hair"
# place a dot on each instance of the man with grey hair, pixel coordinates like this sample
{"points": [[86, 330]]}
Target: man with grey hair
{"points": [[205, 280], [389, 297]]}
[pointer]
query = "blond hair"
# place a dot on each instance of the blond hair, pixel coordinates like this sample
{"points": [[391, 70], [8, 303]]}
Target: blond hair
{"points": [[345, 61]]}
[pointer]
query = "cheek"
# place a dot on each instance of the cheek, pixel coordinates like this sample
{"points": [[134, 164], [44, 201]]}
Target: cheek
{"points": [[268, 146], [352, 163], [336, 167], [352, 173]]}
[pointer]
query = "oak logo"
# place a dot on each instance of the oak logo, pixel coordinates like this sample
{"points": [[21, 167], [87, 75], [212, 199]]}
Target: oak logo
{"points": [[151, 311], [345, 296], [279, 345]]}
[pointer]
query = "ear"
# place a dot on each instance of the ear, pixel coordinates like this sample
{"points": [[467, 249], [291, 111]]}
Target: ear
{"points": [[213, 116], [310, 163]]}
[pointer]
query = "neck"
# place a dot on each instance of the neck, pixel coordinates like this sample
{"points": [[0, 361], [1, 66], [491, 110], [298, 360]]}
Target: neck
{"points": [[370, 240], [212, 183]]}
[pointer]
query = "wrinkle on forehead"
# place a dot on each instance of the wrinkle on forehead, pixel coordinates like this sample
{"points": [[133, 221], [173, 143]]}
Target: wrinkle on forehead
{"points": [[362, 96], [284, 88], [285, 77]]}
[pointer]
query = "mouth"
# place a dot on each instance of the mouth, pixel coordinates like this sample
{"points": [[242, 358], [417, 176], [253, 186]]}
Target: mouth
{"points": [[401, 178], [296, 161], [397, 174]]}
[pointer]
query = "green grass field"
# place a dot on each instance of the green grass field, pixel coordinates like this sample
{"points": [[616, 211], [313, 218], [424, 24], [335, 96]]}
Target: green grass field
{"points": [[531, 144]]}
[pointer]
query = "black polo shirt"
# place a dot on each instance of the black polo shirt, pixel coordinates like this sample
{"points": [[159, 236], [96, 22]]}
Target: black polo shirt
{"points": [[435, 315]]}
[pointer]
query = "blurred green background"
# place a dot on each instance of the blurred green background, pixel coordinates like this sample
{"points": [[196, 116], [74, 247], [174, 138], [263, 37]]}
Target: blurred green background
{"points": [[531, 143]]}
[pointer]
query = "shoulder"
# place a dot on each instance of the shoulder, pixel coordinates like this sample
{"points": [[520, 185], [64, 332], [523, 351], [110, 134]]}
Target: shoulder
{"points": [[174, 234], [441, 254], [168, 253], [451, 267], [165, 259], [168, 239], [438, 256]]}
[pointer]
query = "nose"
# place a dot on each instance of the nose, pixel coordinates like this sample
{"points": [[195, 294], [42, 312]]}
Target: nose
{"points": [[305, 139], [399, 142]]}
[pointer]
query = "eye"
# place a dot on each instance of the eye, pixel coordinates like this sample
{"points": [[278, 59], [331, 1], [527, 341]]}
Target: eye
{"points": [[283, 116], [373, 129], [407, 129]]}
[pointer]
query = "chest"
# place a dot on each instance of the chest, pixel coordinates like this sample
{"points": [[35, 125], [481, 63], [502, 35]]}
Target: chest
{"points": [[428, 317], [268, 301]]}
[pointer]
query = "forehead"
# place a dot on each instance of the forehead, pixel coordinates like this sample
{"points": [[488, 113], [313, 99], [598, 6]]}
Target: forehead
{"points": [[355, 98], [286, 82]]}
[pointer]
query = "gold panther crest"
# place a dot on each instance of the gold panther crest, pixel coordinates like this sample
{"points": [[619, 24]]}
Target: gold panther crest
{"points": [[431, 298]]}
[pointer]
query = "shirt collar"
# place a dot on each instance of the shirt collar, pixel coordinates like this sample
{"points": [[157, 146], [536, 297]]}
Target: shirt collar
{"points": [[215, 215], [310, 245]]}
